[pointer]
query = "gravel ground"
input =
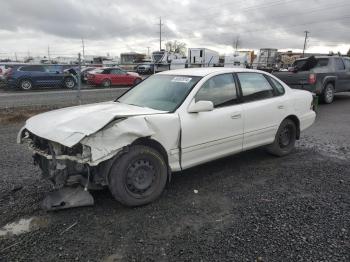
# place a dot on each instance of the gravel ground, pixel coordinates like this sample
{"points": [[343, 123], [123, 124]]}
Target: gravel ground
{"points": [[249, 207]]}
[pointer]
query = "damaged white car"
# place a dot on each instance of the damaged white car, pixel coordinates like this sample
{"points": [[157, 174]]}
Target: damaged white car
{"points": [[172, 121]]}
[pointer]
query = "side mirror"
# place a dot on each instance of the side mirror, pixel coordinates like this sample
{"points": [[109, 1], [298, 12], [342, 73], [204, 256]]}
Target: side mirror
{"points": [[201, 106]]}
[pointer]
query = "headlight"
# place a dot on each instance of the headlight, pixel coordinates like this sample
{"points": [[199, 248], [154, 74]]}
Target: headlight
{"points": [[86, 152]]}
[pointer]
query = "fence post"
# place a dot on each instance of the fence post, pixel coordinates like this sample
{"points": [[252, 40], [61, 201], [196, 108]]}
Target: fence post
{"points": [[79, 79]]}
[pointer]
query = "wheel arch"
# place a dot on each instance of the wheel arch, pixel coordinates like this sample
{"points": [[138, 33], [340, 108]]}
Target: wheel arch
{"points": [[296, 121], [329, 80]]}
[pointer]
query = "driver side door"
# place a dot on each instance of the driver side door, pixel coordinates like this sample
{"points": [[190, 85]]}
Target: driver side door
{"points": [[210, 135]]}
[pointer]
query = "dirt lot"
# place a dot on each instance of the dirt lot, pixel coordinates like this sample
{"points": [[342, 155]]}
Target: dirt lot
{"points": [[249, 207]]}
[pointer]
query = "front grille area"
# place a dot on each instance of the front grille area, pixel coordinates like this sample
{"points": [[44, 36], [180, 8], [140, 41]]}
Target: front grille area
{"points": [[44, 145]]}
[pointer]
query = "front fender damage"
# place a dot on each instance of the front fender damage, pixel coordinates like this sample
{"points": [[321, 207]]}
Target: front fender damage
{"points": [[97, 149]]}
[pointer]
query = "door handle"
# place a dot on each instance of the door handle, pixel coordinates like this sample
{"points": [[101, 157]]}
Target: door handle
{"points": [[280, 107], [237, 116]]}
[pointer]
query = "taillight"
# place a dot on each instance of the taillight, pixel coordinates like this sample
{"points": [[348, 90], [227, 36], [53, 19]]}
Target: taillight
{"points": [[312, 79], [8, 72]]}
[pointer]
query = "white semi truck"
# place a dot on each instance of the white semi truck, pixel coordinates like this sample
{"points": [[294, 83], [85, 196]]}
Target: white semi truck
{"points": [[202, 57], [163, 60]]}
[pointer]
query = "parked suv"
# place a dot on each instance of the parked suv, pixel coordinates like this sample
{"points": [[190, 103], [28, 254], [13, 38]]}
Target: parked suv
{"points": [[322, 75], [28, 77]]}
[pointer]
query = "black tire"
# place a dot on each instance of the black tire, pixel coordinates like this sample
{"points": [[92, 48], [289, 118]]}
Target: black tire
{"points": [[106, 83], [137, 81], [26, 84], [138, 177], [284, 140], [328, 93], [69, 82]]}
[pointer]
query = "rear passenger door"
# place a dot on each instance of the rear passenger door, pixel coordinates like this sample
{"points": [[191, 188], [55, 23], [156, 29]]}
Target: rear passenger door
{"points": [[264, 108], [35, 73]]}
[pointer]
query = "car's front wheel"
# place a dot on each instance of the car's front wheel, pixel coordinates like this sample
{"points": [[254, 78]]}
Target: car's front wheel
{"points": [[285, 139], [138, 177], [26, 84]]}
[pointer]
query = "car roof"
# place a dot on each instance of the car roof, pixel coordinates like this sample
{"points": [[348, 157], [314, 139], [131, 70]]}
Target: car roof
{"points": [[206, 71]]}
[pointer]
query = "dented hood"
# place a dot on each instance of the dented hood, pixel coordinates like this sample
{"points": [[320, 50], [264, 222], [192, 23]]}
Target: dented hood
{"points": [[68, 126]]}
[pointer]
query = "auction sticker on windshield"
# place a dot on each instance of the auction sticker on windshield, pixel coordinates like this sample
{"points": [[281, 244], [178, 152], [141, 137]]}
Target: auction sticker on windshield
{"points": [[179, 79]]}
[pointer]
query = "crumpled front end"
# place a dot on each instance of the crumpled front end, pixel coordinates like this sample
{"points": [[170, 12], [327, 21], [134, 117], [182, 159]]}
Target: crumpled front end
{"points": [[60, 164], [86, 162]]}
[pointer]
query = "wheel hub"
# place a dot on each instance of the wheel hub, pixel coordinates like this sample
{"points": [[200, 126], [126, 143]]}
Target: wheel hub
{"points": [[140, 177], [285, 136]]}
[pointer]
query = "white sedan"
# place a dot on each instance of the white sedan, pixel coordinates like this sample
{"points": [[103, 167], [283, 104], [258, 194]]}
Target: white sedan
{"points": [[172, 121]]}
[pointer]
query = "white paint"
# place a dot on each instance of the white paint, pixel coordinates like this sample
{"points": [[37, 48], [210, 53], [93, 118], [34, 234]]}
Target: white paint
{"points": [[107, 127]]}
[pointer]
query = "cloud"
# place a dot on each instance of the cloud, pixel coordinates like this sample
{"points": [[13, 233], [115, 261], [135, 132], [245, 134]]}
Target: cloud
{"points": [[117, 26]]}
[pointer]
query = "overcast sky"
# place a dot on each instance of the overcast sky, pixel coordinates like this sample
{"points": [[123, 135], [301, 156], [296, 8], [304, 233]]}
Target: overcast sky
{"points": [[115, 26]]}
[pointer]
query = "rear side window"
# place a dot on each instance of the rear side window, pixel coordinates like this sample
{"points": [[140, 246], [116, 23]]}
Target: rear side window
{"points": [[279, 87], [32, 68], [347, 63], [220, 89], [321, 62], [254, 86], [339, 65]]}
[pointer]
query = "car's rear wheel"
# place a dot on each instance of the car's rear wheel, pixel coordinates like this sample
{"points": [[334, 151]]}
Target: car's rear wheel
{"points": [[137, 81], [26, 84], [69, 82], [106, 83], [285, 139], [328, 94], [138, 177]]}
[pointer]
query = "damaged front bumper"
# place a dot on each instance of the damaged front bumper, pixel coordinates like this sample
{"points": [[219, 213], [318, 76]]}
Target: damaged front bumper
{"points": [[68, 169]]}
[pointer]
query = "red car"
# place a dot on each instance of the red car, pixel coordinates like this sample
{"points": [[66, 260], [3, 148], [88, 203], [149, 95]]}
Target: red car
{"points": [[109, 76]]}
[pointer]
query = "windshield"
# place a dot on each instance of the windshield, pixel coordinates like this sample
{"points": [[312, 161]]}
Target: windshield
{"points": [[160, 92]]}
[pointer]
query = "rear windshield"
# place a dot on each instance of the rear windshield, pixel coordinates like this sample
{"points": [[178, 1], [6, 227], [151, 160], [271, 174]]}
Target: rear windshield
{"points": [[301, 64]]}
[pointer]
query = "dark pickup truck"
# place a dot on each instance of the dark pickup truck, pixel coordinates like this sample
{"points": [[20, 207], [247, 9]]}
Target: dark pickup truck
{"points": [[322, 75]]}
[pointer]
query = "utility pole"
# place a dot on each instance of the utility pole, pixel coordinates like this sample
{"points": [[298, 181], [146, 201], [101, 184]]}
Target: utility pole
{"points": [[306, 37], [82, 41], [160, 33], [79, 79], [48, 52], [16, 56], [236, 43], [148, 51]]}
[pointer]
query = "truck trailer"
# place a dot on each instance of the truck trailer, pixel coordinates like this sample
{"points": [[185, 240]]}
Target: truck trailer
{"points": [[202, 57]]}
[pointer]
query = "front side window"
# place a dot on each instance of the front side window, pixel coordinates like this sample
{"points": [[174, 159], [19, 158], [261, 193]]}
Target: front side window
{"points": [[117, 72], [160, 92], [220, 89], [53, 69], [254, 86]]}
